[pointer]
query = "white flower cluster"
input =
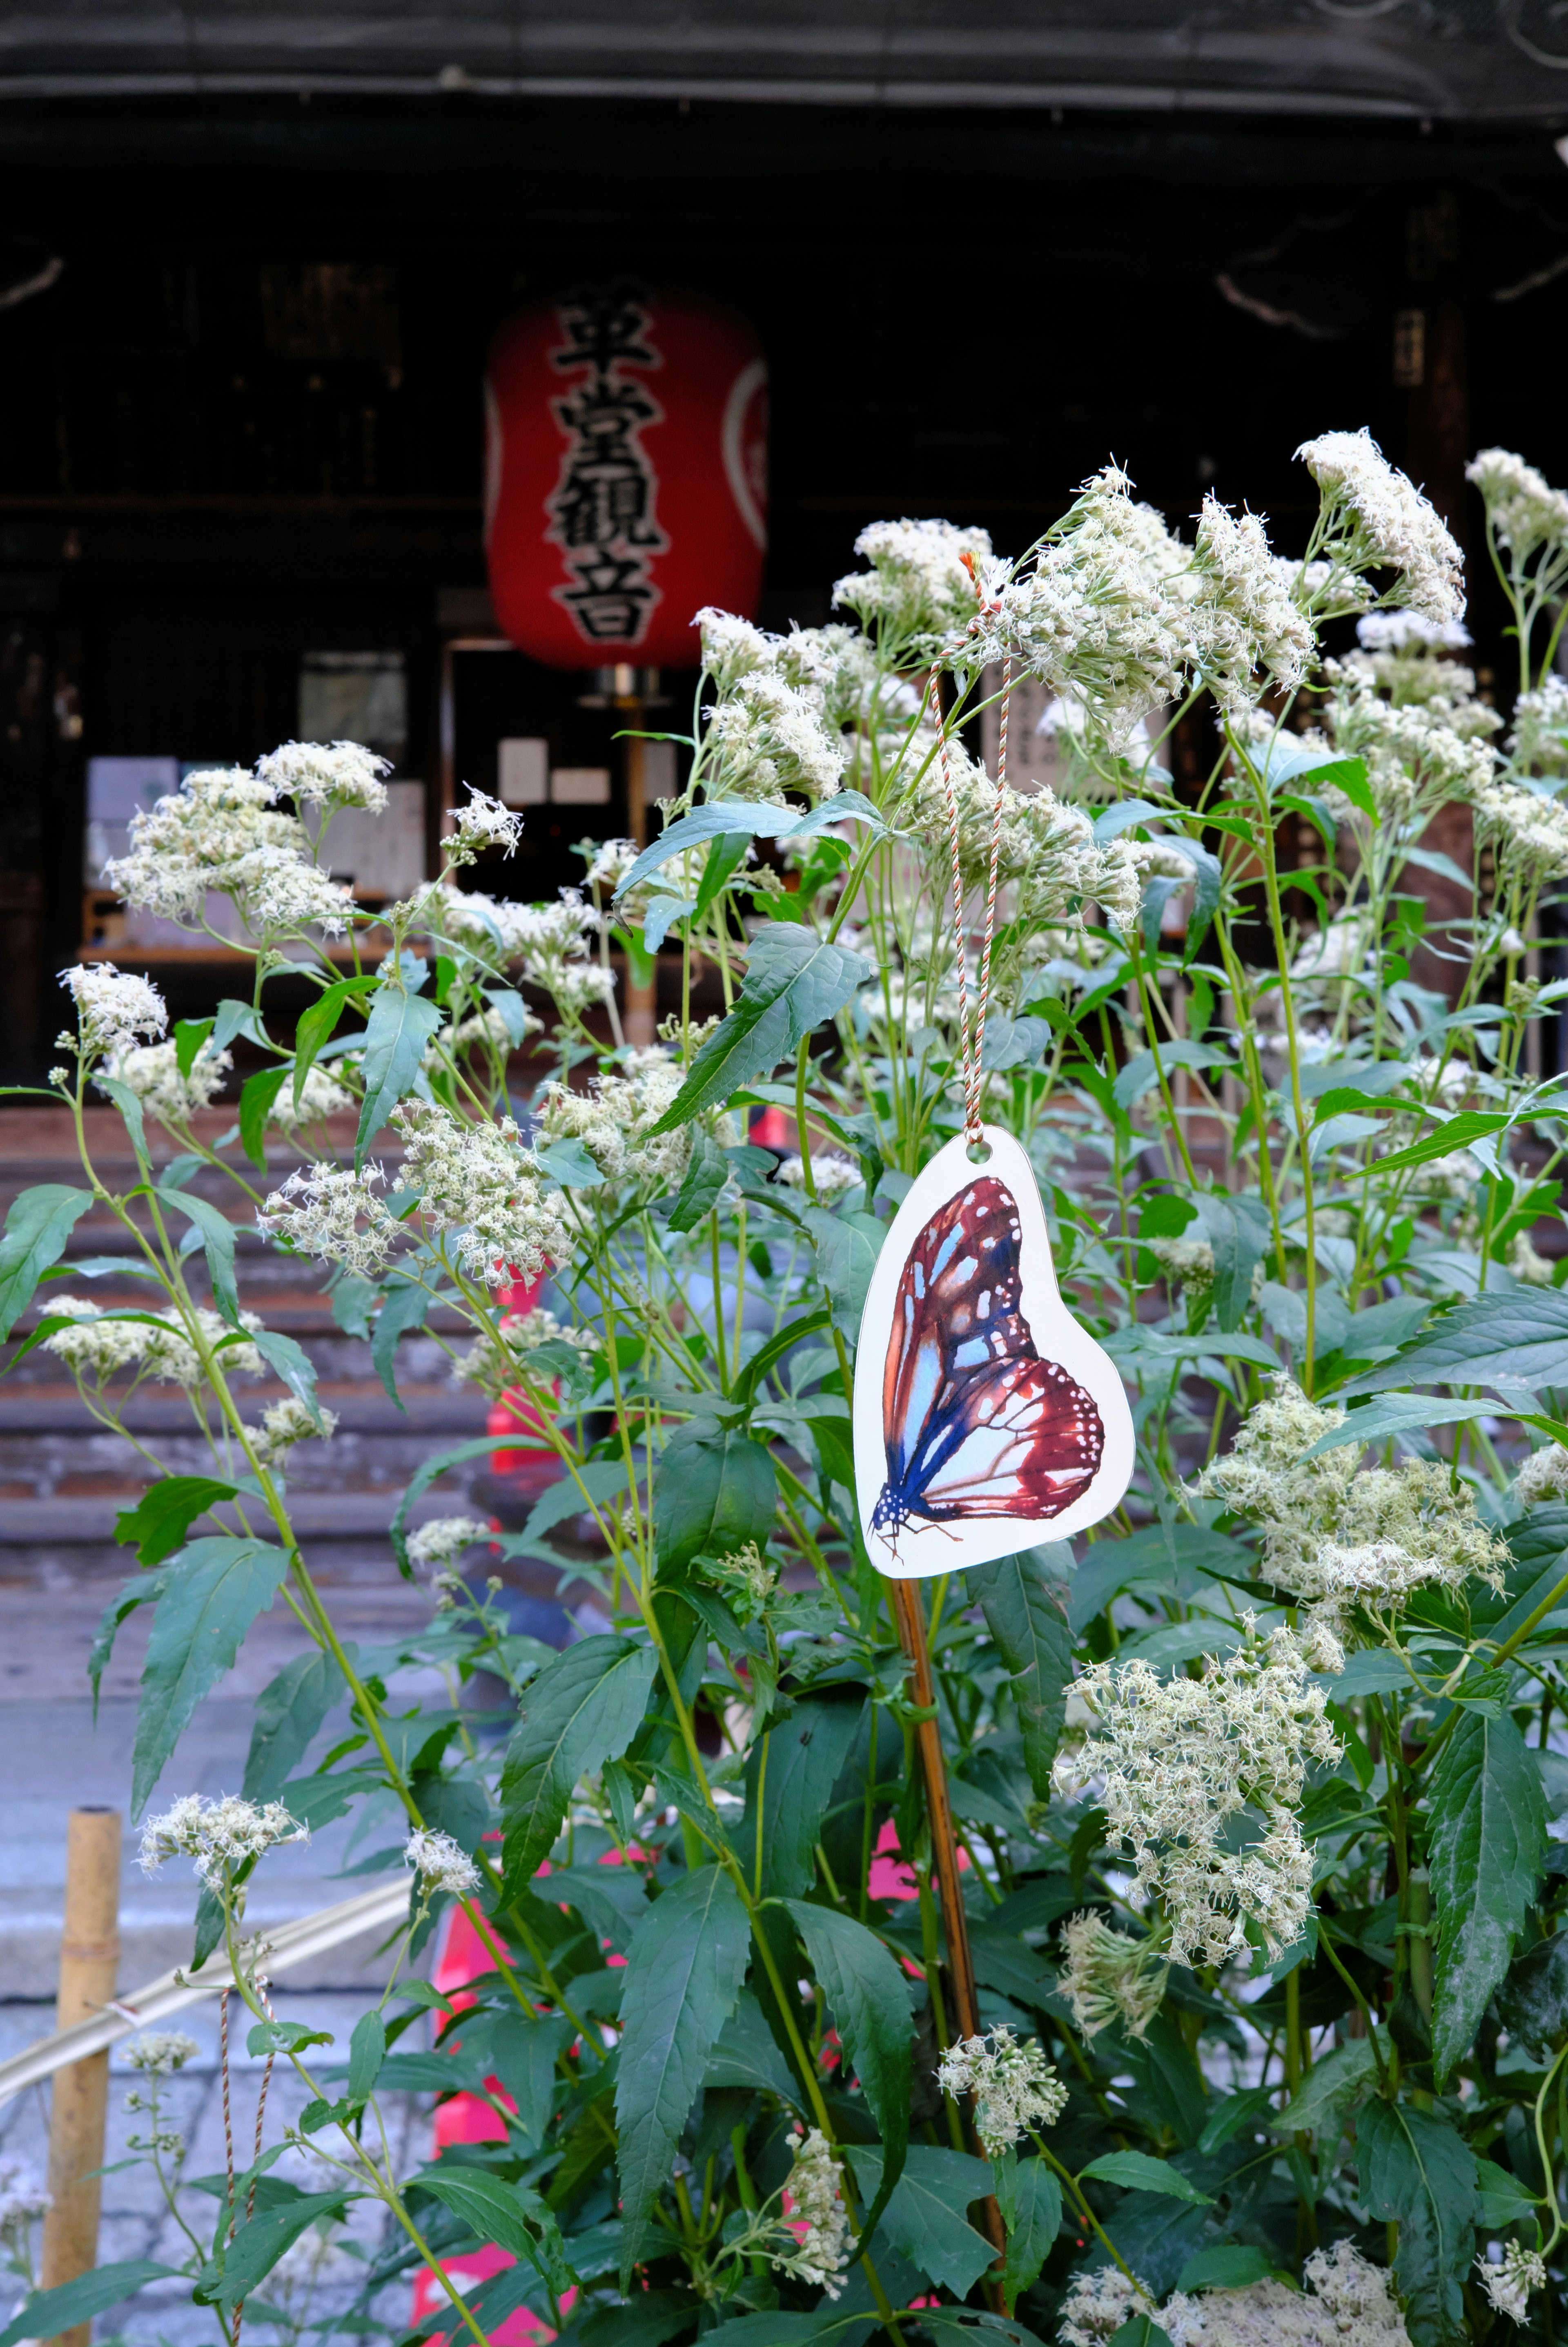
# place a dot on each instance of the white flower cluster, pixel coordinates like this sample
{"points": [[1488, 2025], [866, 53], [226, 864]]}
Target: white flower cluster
{"points": [[1509, 2284], [222, 830], [608, 862], [1013, 2085], [159, 2053], [479, 1187], [152, 1071], [549, 941], [1521, 506], [222, 1836], [1424, 750], [320, 1095], [1542, 1477], [614, 1118], [771, 737], [1406, 631], [283, 1424], [1387, 523], [1187, 1263], [444, 1540], [920, 589], [327, 774], [1178, 1760], [1109, 1977], [22, 2201], [158, 1346], [1047, 855], [113, 1008], [1539, 741], [524, 1332], [815, 2186], [1338, 1536], [1246, 617], [439, 1864], [832, 1172], [481, 823], [332, 1212], [1528, 835], [1348, 2303]]}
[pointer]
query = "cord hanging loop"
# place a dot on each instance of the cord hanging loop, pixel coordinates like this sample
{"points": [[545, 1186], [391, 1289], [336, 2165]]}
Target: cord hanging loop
{"points": [[972, 1044]]}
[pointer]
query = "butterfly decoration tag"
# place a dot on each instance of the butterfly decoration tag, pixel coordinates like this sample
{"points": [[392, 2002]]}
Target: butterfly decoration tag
{"points": [[985, 1419]]}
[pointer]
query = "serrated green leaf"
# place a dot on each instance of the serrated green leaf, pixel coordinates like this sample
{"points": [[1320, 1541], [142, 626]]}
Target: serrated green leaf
{"points": [[1135, 2172], [397, 1031], [583, 1709], [290, 1712], [870, 2008], [1023, 1613], [44, 2313], [1417, 2173], [218, 1238], [367, 2052], [161, 1517], [1487, 1841], [212, 1592], [794, 979], [257, 1099], [317, 1023], [684, 1971], [251, 2256], [38, 1224], [404, 1304], [290, 1362], [847, 1248], [790, 1773], [1030, 2199], [922, 2212], [702, 1185], [1520, 1335], [713, 1491]]}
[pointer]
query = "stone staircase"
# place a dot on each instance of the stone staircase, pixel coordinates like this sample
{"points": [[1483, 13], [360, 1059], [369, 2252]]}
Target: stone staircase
{"points": [[64, 1478]]}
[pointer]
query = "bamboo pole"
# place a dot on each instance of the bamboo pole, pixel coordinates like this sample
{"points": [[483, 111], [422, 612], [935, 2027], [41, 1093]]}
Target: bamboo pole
{"points": [[910, 1613], [89, 1972]]}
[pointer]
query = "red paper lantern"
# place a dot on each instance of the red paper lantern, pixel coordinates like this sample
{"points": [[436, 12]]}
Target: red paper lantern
{"points": [[626, 475]]}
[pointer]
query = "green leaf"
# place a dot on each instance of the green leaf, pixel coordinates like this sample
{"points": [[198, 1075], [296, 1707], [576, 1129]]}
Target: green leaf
{"points": [[213, 1591], [367, 2052], [703, 1185], [1502, 2198], [599, 1480], [129, 1106], [1336, 2082], [257, 1098], [189, 1035], [653, 2316], [1030, 2202], [317, 1023], [1470, 1124], [497, 2211], [747, 2056], [796, 1765], [1015, 1042], [218, 1237], [568, 1163], [1143, 2331], [870, 2008], [1141, 1072], [684, 1971], [714, 819], [664, 911], [290, 1712], [284, 2037], [1486, 1839], [1022, 1613], [1399, 1414], [38, 1224], [403, 1307], [1240, 1231], [922, 2213], [522, 2053], [767, 1358], [161, 1517], [847, 1248], [1533, 2003], [258, 2244], [420, 1483], [1417, 2173], [713, 1491], [235, 1018], [399, 1029], [44, 2313], [288, 1358], [583, 1709], [794, 981], [1135, 2172], [1226, 2267], [1519, 1335]]}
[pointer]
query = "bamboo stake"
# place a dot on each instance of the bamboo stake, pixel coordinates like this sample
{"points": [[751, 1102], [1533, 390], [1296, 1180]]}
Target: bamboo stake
{"points": [[89, 1972], [910, 1613]]}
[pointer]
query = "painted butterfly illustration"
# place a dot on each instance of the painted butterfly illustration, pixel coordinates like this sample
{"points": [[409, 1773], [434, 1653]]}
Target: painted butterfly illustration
{"points": [[974, 1423]]}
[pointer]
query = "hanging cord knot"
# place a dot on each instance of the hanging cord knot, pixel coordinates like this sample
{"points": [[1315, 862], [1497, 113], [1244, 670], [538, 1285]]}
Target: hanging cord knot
{"points": [[972, 1045]]}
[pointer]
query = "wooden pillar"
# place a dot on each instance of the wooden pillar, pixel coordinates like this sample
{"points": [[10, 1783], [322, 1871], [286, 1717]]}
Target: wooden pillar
{"points": [[90, 1975]]}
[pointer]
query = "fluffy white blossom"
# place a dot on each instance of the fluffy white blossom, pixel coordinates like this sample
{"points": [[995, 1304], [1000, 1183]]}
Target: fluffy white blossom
{"points": [[1528, 835], [444, 1540], [1399, 632], [332, 1212], [1013, 2085], [830, 1171], [113, 1008], [480, 824], [1539, 740], [222, 1836], [481, 1188], [22, 2201], [1246, 618], [920, 588], [152, 1071], [439, 1864], [222, 830], [284, 1423], [1542, 1477], [731, 647], [158, 1345], [276, 892], [1339, 1535], [613, 1119], [771, 737], [1508, 2285], [1178, 1760], [1521, 506], [1392, 526], [1099, 2304], [159, 2053], [815, 2190], [320, 1095], [1109, 1977], [341, 773], [611, 861], [1423, 751], [1348, 2303]]}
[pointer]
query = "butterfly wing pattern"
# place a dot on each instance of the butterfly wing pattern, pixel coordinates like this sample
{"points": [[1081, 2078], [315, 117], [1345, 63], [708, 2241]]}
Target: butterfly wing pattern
{"points": [[975, 1423]]}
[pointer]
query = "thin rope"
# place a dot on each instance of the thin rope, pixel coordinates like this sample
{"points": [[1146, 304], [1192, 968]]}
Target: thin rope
{"points": [[972, 1046], [228, 2114]]}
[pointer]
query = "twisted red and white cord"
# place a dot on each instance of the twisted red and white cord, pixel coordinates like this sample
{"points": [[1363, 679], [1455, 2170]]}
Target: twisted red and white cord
{"points": [[972, 1046]]}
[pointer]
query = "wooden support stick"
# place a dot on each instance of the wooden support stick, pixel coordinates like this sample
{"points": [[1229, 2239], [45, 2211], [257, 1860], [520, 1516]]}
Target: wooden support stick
{"points": [[910, 1615], [90, 1975]]}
